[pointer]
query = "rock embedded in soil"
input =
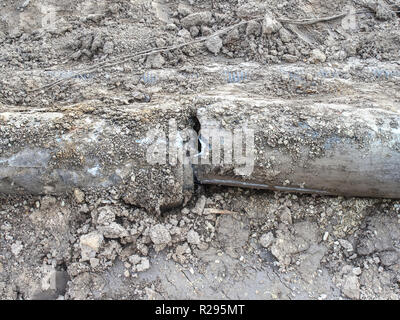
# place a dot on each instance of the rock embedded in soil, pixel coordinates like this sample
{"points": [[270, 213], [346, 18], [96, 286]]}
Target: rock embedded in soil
{"points": [[267, 239], [214, 44], [113, 231], [193, 237], [270, 24], [253, 28], [79, 196], [351, 287], [90, 244], [196, 19], [160, 235], [317, 56]]}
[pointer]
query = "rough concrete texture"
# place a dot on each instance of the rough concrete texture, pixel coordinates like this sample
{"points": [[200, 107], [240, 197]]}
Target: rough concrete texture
{"points": [[84, 215]]}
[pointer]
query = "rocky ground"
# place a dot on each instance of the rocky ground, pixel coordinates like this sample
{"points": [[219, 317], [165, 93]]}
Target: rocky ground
{"points": [[222, 243]]}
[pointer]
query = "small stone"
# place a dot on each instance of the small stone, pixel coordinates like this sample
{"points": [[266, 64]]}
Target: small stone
{"points": [[351, 287], [160, 235], [160, 42], [253, 28], [134, 259], [94, 262], [232, 36], [90, 244], [203, 246], [16, 248], [171, 27], [140, 264], [194, 31], [108, 47], [155, 61], [286, 216], [196, 19], [357, 271], [79, 196], [389, 258], [199, 207], [76, 268], [317, 56], [270, 24], [289, 58], [106, 215], [182, 249], [214, 44], [184, 10], [143, 249], [205, 31], [141, 96], [113, 231], [193, 237], [285, 35], [346, 245], [184, 33], [267, 239], [96, 44], [382, 11], [84, 208], [48, 202], [143, 265]]}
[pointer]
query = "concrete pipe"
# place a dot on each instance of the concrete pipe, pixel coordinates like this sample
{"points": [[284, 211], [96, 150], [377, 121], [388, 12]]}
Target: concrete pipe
{"points": [[329, 149], [52, 152]]}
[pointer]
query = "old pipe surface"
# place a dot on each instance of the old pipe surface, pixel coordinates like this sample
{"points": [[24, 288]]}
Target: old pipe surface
{"points": [[329, 149]]}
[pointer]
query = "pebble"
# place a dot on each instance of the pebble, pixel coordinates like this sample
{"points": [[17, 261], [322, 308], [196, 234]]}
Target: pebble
{"points": [[90, 244], [214, 44], [317, 56], [270, 24], [267, 239], [16, 248], [159, 234], [193, 237], [351, 287], [196, 19]]}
